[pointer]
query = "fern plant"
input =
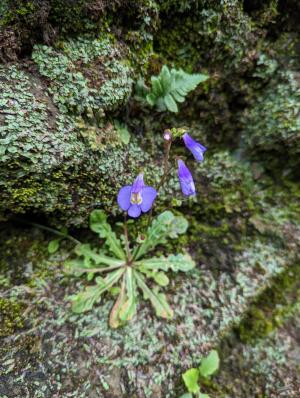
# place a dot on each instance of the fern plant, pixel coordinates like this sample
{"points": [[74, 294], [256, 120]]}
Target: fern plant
{"points": [[129, 271], [169, 88]]}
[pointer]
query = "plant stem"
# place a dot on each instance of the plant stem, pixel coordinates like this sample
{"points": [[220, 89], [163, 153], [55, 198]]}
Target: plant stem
{"points": [[166, 171], [162, 181], [54, 231], [128, 252]]}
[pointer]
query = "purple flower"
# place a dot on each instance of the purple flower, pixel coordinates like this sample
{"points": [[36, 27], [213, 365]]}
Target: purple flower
{"points": [[136, 198], [185, 179], [195, 147]]}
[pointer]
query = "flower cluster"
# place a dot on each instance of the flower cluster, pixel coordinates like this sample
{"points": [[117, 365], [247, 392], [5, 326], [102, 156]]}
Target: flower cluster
{"points": [[184, 174], [138, 198]]}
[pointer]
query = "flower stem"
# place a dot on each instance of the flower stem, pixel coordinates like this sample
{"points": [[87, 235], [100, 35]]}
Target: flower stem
{"points": [[166, 171], [162, 181], [128, 252]]}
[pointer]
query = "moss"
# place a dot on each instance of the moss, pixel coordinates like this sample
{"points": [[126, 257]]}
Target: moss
{"points": [[216, 32], [272, 308], [11, 317]]}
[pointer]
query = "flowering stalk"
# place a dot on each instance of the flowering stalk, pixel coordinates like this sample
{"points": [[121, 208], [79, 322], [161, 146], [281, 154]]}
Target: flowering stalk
{"points": [[138, 198], [128, 252]]}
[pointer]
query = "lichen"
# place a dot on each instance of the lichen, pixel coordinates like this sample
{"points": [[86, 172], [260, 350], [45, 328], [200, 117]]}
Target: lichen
{"points": [[85, 74], [273, 123]]}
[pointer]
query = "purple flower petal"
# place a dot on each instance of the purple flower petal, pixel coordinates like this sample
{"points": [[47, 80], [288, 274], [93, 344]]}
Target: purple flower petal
{"points": [[195, 147], [134, 211], [138, 184], [124, 196], [186, 179], [148, 197]]}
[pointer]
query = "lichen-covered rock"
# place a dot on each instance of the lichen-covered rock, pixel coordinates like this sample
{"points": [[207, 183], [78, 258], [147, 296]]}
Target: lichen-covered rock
{"points": [[271, 131], [51, 161], [85, 74]]}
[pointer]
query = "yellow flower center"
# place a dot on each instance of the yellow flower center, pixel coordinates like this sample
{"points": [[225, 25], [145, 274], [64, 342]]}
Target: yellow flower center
{"points": [[136, 198]]}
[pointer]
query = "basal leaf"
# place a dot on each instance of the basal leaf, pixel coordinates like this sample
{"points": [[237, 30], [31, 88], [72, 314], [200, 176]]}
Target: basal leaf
{"points": [[99, 224], [161, 278], [175, 263], [210, 364], [92, 256], [129, 307], [164, 226], [158, 300], [85, 300], [158, 276], [114, 319], [190, 378]]}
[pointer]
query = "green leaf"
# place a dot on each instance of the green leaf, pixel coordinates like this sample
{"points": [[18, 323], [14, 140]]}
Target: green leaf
{"points": [[171, 86], [99, 224], [114, 320], [156, 86], [165, 79], [85, 300], [123, 132], [53, 246], [210, 364], [129, 307], [164, 226], [91, 256], [125, 307], [151, 99], [158, 300], [175, 263], [203, 395], [170, 103], [161, 279], [187, 395], [190, 378]]}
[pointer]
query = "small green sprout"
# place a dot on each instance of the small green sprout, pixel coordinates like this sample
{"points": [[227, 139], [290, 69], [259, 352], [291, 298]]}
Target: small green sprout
{"points": [[208, 367]]}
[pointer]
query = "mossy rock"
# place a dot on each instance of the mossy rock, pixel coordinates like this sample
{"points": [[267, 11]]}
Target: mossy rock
{"points": [[271, 131], [85, 74], [10, 317], [53, 161]]}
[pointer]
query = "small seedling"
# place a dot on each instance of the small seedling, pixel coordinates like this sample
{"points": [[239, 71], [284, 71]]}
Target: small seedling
{"points": [[207, 368]]}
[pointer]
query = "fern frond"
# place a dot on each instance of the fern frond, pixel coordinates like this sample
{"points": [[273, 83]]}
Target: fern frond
{"points": [[171, 87]]}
